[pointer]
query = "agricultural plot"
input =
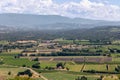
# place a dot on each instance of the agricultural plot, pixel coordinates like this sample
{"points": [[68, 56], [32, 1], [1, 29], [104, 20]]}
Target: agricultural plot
{"points": [[44, 64], [116, 60], [116, 42], [9, 59], [113, 77], [4, 42], [13, 72], [78, 67], [65, 41], [96, 67], [65, 76], [62, 59], [75, 67], [44, 59], [18, 62], [99, 60], [79, 59]]}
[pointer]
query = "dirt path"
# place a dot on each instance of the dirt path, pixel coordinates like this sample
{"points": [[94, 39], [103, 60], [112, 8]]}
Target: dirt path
{"points": [[82, 68], [33, 71], [37, 74], [51, 59]]}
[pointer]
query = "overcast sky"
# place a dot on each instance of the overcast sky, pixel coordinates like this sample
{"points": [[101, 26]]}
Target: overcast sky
{"points": [[93, 9]]}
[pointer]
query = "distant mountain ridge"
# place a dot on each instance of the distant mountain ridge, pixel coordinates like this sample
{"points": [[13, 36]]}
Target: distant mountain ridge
{"points": [[29, 21]]}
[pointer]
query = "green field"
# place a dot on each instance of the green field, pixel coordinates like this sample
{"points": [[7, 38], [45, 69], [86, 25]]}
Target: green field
{"points": [[99, 67], [77, 67], [12, 64], [9, 59], [44, 64], [74, 67], [65, 76], [3, 42]]}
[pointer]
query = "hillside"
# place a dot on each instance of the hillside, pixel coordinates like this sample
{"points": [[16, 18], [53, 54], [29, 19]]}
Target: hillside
{"points": [[49, 22], [103, 33]]}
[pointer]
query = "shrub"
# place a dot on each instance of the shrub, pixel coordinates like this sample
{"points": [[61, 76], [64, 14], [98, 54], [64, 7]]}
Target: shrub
{"points": [[26, 72], [82, 78], [60, 65], [9, 73], [37, 65]]}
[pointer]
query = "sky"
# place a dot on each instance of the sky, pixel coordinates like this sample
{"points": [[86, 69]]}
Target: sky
{"points": [[91, 9]]}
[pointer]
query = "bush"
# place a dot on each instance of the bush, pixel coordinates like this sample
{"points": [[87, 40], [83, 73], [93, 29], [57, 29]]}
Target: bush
{"points": [[1, 62], [49, 68], [23, 65], [37, 65], [82, 78], [26, 72], [60, 65], [9, 73], [21, 78], [36, 59], [117, 69]]}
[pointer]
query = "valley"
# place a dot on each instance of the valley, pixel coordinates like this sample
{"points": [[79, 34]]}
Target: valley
{"points": [[60, 58]]}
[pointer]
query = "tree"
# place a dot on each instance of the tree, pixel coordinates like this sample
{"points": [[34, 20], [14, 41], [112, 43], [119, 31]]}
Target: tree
{"points": [[37, 65], [9, 73], [101, 78], [36, 59], [26, 72], [107, 67], [77, 78], [60, 65], [23, 65], [117, 69], [82, 78]]}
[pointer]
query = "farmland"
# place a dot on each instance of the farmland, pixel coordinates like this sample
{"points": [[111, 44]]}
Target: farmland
{"points": [[59, 40], [67, 59], [65, 76], [4, 71], [9, 59]]}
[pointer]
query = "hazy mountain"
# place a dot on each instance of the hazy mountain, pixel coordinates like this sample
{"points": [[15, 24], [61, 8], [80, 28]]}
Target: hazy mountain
{"points": [[27, 21]]}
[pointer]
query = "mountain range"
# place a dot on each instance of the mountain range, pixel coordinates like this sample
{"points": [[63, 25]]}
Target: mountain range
{"points": [[11, 21]]}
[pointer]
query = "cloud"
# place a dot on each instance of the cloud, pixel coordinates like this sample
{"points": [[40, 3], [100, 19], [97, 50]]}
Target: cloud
{"points": [[83, 8]]}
